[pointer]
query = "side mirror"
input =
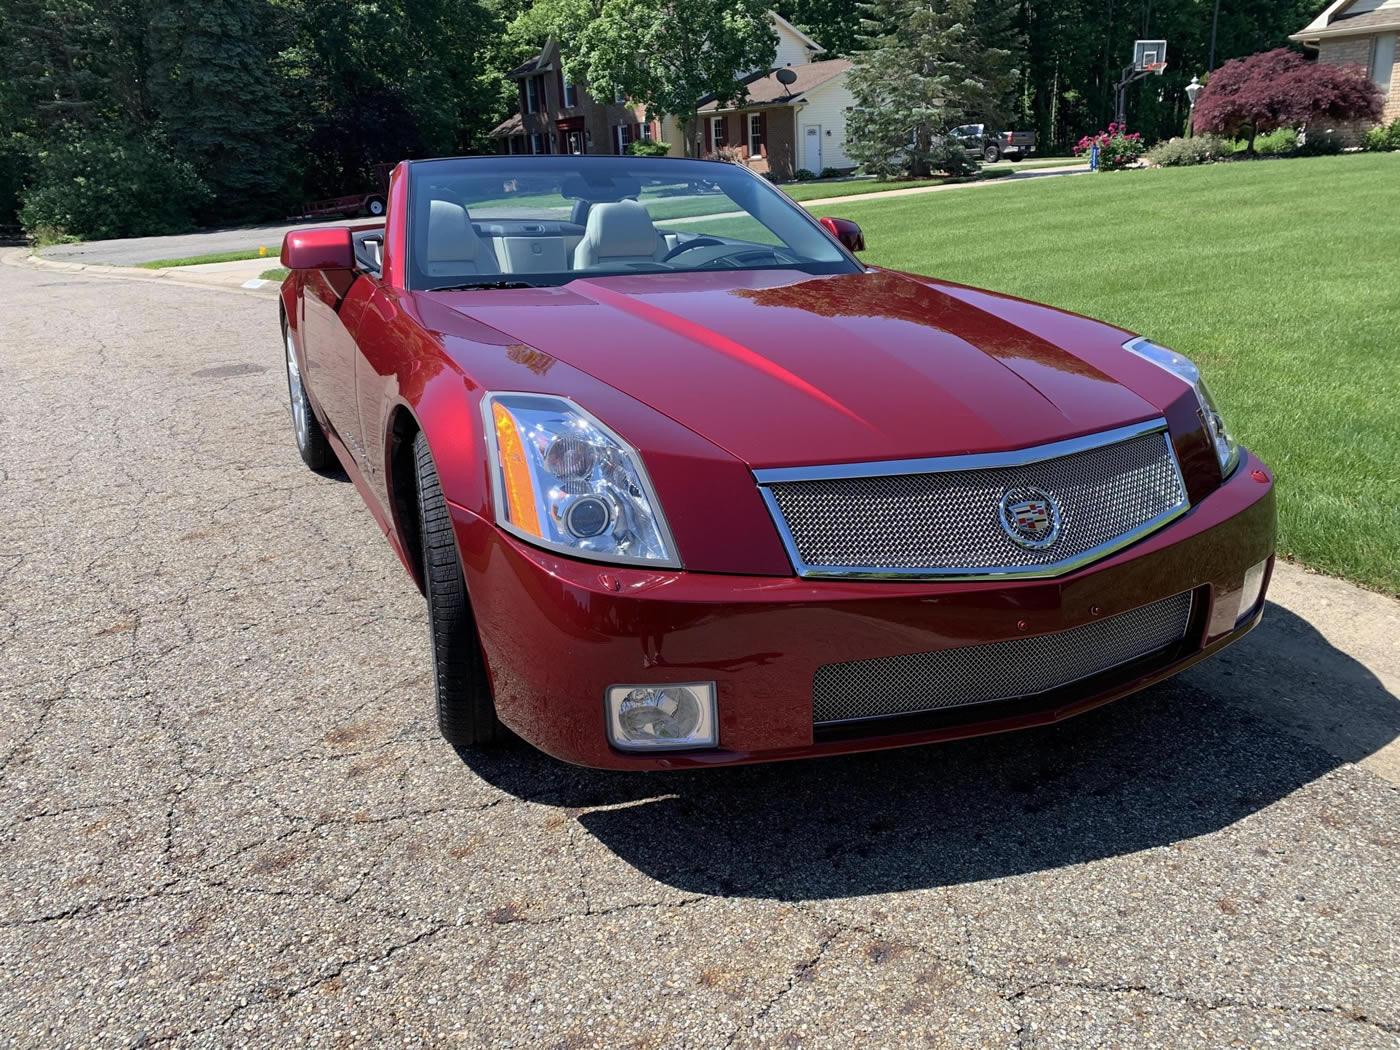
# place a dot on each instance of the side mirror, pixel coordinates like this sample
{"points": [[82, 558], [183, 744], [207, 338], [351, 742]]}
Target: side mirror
{"points": [[845, 231], [328, 248]]}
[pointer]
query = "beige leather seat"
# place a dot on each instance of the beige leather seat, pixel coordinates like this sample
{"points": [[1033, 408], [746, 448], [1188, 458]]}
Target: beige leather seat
{"points": [[453, 247], [619, 235]]}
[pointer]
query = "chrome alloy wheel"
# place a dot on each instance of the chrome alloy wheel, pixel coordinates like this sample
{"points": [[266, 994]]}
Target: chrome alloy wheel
{"points": [[301, 410]]}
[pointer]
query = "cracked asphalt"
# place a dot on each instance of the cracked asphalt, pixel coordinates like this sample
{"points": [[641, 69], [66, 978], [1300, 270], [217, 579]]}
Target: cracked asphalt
{"points": [[227, 819]]}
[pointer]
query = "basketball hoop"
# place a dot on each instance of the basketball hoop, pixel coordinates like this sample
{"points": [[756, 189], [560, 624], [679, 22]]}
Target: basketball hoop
{"points": [[1155, 67]]}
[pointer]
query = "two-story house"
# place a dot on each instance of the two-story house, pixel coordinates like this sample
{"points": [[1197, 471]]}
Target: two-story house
{"points": [[556, 116], [785, 123]]}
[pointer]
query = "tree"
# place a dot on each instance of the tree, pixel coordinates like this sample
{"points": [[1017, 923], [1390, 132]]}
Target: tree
{"points": [[835, 24], [1255, 95], [669, 55], [931, 65], [214, 89]]}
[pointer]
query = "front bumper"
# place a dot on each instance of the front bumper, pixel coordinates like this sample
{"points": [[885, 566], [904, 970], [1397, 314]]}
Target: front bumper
{"points": [[557, 632]]}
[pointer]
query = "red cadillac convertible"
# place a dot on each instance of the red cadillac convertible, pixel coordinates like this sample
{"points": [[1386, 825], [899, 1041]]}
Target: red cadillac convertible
{"points": [[686, 484]]}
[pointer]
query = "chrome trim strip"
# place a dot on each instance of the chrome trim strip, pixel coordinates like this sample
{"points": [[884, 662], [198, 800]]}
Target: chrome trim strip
{"points": [[973, 462]]}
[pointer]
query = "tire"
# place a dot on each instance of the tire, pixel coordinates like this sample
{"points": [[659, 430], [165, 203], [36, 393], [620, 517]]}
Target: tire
{"points": [[991, 154], [315, 450], [466, 714], [375, 206], [1015, 158]]}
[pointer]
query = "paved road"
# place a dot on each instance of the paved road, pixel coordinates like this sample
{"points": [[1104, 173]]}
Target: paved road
{"points": [[227, 820]]}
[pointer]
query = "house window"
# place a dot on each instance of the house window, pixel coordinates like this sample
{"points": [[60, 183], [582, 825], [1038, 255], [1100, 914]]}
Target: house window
{"points": [[532, 96], [618, 96], [1383, 61], [717, 132], [538, 144], [644, 131], [755, 135], [622, 137], [570, 96]]}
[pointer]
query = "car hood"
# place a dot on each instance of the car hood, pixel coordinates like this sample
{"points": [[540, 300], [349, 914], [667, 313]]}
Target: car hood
{"points": [[814, 370]]}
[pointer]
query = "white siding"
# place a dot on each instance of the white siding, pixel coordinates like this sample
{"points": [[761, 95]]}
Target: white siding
{"points": [[826, 105], [791, 50]]}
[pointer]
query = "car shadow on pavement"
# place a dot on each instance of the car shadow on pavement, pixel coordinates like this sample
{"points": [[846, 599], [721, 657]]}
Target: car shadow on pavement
{"points": [[1185, 758]]}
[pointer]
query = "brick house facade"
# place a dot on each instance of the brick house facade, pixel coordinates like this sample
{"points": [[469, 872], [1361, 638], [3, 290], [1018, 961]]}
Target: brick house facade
{"points": [[1360, 33], [558, 117]]}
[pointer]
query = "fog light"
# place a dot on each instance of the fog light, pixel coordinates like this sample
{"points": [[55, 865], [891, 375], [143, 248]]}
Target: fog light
{"points": [[1249, 593], [662, 717]]}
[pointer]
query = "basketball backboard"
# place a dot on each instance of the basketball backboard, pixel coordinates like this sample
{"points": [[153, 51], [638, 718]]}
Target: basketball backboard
{"points": [[1150, 56]]}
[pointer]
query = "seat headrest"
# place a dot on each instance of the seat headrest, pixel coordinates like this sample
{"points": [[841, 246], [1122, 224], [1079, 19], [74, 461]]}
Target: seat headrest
{"points": [[451, 237], [620, 229]]}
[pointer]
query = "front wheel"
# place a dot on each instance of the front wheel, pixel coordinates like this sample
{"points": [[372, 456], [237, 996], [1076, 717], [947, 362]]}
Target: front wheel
{"points": [[991, 154], [315, 450], [375, 206], [466, 713]]}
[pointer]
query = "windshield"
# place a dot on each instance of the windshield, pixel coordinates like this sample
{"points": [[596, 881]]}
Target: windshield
{"points": [[528, 221]]}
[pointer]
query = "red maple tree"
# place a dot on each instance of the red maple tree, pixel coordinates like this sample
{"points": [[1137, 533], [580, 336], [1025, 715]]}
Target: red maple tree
{"points": [[1255, 95]]}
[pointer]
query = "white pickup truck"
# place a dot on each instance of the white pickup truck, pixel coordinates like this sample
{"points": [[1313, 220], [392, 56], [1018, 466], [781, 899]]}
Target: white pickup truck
{"points": [[991, 146]]}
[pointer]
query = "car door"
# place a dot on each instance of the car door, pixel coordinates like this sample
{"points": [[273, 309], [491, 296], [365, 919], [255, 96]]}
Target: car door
{"points": [[334, 303]]}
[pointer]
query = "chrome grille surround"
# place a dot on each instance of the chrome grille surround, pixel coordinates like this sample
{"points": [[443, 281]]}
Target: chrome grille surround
{"points": [[940, 518], [980, 674]]}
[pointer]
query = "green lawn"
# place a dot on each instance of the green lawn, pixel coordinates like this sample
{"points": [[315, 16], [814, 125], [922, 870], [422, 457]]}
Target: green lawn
{"points": [[810, 191], [1281, 279], [277, 273], [213, 257]]}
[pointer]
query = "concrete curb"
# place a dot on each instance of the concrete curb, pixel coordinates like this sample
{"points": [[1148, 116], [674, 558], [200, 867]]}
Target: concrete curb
{"points": [[177, 275]]}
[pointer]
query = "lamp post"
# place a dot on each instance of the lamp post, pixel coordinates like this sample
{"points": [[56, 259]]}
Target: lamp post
{"points": [[1193, 91]]}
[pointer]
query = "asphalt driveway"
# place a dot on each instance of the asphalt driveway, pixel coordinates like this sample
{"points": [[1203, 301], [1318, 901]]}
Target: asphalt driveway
{"points": [[226, 819]]}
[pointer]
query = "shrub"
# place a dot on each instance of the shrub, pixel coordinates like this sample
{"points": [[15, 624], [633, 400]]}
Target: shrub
{"points": [[1117, 148], [1382, 139], [1320, 144], [771, 176], [730, 155], [108, 184], [834, 173], [1280, 143], [643, 148], [1180, 153], [950, 158], [803, 175]]}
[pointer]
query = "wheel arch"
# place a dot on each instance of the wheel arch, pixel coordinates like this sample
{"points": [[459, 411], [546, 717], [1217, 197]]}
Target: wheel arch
{"points": [[401, 478]]}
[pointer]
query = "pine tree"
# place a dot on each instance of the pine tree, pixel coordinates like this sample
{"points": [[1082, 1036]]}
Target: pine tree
{"points": [[930, 66]]}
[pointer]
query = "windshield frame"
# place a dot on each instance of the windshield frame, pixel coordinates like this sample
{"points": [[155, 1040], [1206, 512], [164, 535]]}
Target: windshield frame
{"points": [[415, 279]]}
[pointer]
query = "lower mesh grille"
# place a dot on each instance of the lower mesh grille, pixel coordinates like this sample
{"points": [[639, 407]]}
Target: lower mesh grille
{"points": [[979, 674]]}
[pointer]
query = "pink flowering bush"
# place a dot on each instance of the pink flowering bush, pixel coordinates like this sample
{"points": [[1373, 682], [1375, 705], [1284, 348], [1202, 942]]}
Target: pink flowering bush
{"points": [[1117, 148]]}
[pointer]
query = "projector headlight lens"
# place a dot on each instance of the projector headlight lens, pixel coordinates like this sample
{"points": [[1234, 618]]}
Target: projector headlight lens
{"points": [[662, 717], [561, 479]]}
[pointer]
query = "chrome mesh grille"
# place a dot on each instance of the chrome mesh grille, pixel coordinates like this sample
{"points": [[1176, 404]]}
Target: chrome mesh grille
{"points": [[979, 674], [948, 521]]}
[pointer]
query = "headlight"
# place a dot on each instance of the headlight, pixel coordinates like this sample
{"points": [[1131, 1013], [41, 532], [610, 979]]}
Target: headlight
{"points": [[1226, 450], [561, 479]]}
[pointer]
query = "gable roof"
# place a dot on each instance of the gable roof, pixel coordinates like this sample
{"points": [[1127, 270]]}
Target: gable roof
{"points": [[766, 90], [1343, 19], [540, 63], [783, 24]]}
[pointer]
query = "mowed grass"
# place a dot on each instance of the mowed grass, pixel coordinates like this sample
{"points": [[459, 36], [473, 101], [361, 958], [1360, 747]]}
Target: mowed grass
{"points": [[1280, 278], [212, 257]]}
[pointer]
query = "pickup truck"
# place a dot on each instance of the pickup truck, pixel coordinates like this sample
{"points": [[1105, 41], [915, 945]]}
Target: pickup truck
{"points": [[991, 146]]}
